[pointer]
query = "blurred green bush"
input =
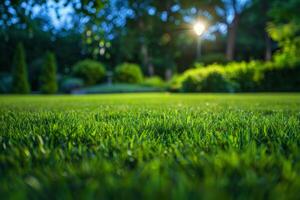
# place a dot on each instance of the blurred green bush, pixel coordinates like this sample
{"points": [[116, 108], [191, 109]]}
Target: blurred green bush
{"points": [[90, 71], [154, 81], [278, 77], [246, 75], [175, 83], [211, 79], [128, 73], [239, 77]]}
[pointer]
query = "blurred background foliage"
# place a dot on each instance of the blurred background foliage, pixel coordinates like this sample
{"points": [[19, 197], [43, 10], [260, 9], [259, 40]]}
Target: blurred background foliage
{"points": [[257, 43]]}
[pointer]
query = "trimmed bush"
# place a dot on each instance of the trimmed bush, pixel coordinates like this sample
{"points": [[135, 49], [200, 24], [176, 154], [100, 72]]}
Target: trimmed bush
{"points": [[192, 83], [128, 73], [247, 75], [175, 84], [280, 78], [244, 77], [208, 80], [48, 75], [90, 71], [20, 83], [218, 82], [154, 81]]}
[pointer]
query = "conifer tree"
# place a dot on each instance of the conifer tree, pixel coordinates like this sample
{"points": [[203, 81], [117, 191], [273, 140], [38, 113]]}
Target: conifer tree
{"points": [[20, 84], [48, 75]]}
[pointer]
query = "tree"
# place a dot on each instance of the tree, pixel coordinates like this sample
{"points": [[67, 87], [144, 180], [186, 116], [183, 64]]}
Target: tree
{"points": [[48, 75], [20, 84], [285, 29], [253, 41], [143, 21], [268, 41], [230, 13], [23, 10], [159, 32]]}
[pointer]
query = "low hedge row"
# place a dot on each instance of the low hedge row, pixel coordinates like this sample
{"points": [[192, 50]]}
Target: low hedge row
{"points": [[239, 77]]}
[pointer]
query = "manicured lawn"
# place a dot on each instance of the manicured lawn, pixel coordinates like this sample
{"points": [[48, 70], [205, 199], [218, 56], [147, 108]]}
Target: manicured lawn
{"points": [[117, 88], [156, 146]]}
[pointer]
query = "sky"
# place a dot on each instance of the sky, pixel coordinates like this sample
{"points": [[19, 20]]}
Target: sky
{"points": [[59, 17]]}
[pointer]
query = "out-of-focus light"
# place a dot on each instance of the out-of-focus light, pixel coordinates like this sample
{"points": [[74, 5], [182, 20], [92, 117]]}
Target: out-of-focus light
{"points": [[199, 28], [102, 51]]}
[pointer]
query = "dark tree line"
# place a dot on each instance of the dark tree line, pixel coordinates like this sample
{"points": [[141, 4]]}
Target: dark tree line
{"points": [[155, 34]]}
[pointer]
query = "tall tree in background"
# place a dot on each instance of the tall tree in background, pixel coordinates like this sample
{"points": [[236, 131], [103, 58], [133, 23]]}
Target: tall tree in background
{"points": [[48, 75], [265, 7], [20, 84], [146, 34], [22, 10], [165, 32], [230, 13], [285, 29], [142, 22], [253, 40], [159, 31]]}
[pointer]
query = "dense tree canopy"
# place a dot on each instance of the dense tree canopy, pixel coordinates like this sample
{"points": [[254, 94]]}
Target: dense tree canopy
{"points": [[158, 35]]}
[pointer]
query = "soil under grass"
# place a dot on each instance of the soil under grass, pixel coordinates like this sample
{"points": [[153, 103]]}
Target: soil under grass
{"points": [[150, 146]]}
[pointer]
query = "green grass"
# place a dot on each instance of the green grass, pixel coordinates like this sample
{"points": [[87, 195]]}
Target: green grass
{"points": [[119, 88], [150, 146]]}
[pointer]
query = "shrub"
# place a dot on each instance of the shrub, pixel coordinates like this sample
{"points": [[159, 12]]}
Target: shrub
{"points": [[192, 83], [90, 71], [198, 65], [175, 84], [217, 82], [128, 73], [20, 82], [280, 78], [154, 81], [247, 75], [252, 76], [48, 75], [212, 79], [69, 84]]}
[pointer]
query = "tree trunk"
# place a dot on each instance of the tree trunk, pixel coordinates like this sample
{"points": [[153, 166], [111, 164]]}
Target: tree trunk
{"points": [[146, 59], [168, 74], [231, 37], [265, 6], [268, 43], [144, 52]]}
